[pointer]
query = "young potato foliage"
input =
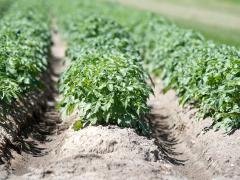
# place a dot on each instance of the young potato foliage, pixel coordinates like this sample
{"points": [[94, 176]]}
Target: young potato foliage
{"points": [[99, 34], [106, 89], [106, 83]]}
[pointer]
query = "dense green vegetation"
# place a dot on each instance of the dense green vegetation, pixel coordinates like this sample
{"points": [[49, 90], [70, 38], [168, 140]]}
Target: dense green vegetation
{"points": [[105, 83], [218, 35], [202, 73], [24, 46]]}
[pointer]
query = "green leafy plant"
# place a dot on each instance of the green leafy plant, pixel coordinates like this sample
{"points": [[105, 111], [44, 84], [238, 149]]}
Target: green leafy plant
{"points": [[106, 83], [202, 73], [106, 89]]}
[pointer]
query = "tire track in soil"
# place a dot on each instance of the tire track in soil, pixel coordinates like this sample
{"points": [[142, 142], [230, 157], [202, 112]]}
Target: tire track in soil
{"points": [[216, 18], [196, 151], [171, 138], [165, 110]]}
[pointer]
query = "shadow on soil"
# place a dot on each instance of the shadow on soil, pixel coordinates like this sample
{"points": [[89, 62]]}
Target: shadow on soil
{"points": [[164, 138], [42, 125], [41, 121], [19, 115]]}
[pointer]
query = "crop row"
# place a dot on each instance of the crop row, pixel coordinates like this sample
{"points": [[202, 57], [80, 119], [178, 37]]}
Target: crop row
{"points": [[105, 83], [24, 47], [203, 73]]}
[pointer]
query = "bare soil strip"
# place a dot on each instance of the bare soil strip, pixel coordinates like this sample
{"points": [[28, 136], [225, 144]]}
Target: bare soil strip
{"points": [[200, 15]]}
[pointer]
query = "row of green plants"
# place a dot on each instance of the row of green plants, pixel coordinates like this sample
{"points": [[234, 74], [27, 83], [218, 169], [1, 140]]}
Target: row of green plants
{"points": [[24, 46], [105, 83], [203, 74]]}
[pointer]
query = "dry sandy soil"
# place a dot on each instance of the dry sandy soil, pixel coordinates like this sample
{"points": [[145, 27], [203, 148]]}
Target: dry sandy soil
{"points": [[97, 153], [216, 18]]}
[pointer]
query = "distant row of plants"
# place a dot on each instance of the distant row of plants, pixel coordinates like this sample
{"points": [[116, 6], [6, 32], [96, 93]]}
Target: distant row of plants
{"points": [[203, 73], [106, 83], [24, 46]]}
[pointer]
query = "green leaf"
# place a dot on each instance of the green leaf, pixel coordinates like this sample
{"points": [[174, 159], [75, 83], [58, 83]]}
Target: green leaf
{"points": [[77, 125]]}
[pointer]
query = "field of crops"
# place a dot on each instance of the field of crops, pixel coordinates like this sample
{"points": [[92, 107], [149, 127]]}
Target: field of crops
{"points": [[203, 74], [113, 55]]}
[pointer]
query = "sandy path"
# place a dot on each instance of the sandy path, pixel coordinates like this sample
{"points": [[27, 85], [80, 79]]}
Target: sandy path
{"points": [[215, 18]]}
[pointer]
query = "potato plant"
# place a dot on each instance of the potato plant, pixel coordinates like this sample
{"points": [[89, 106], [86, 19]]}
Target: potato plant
{"points": [[105, 83], [106, 89]]}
